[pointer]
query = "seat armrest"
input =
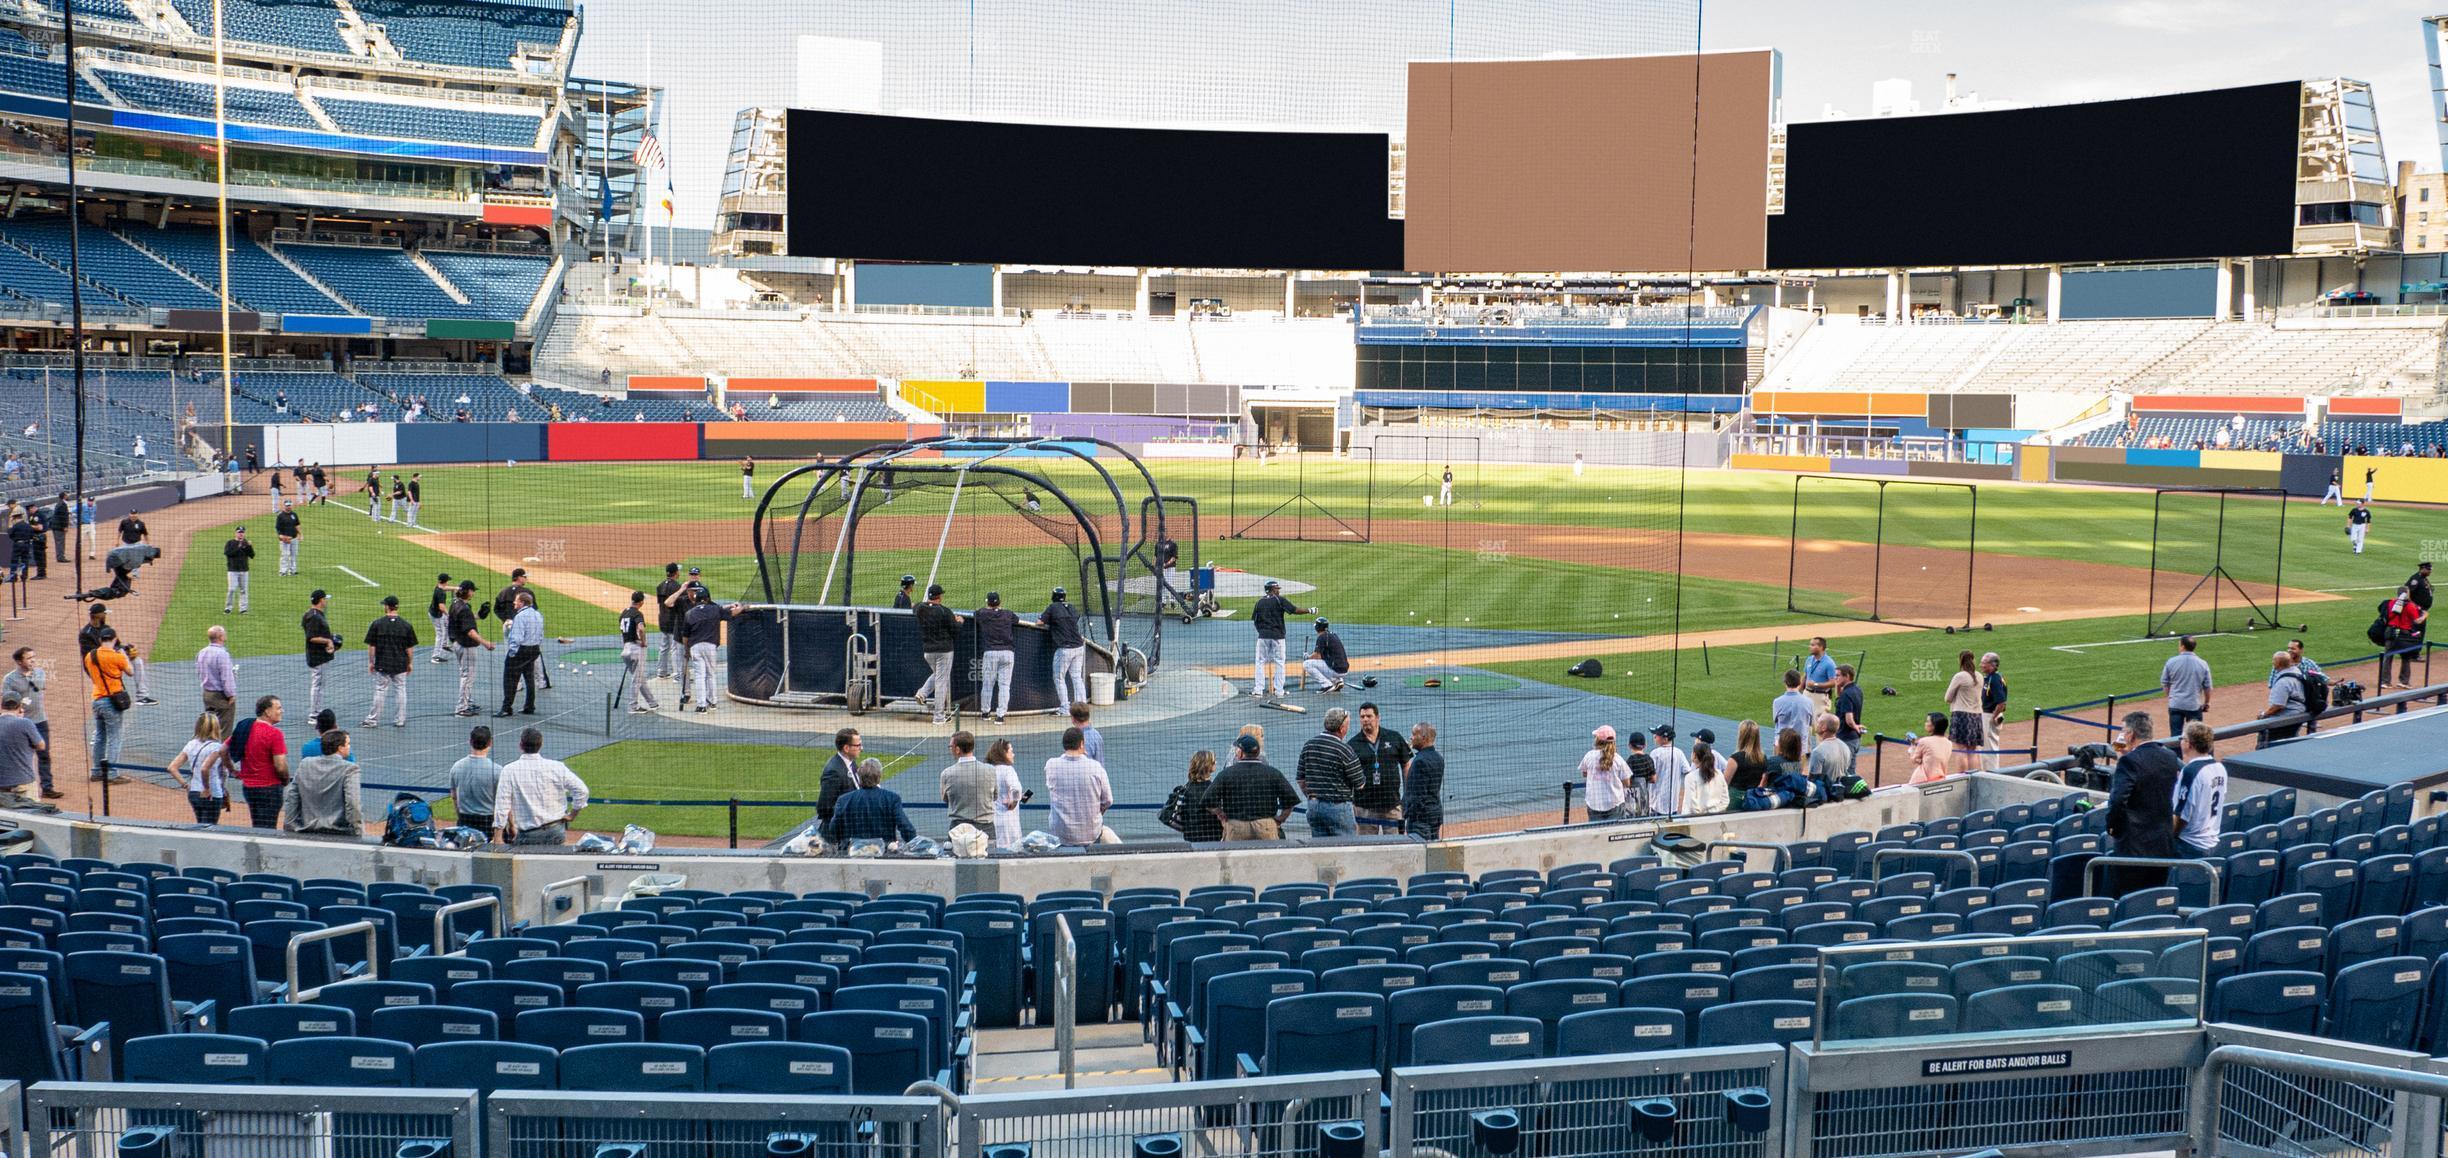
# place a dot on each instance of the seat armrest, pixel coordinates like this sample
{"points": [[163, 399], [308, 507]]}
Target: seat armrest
{"points": [[93, 1052], [1248, 1066], [198, 1017]]}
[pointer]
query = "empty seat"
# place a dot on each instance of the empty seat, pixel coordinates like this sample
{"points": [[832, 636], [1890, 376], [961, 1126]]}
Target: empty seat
{"points": [[1477, 1041], [566, 1029], [1894, 1015], [420, 1025], [1685, 993], [1620, 1030], [634, 1067], [341, 1061], [778, 1067], [213, 1059], [2378, 1003], [487, 1066], [1322, 1033], [1756, 1023], [274, 1023], [888, 1051], [2024, 1007]]}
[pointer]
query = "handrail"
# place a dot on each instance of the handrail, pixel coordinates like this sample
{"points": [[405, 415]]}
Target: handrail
{"points": [[2209, 1081], [373, 954], [544, 899], [1972, 871], [1784, 856], [2091, 877], [1066, 999], [442, 916]]}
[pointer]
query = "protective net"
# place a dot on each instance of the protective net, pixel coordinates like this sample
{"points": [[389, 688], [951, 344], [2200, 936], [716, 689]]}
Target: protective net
{"points": [[1885, 550], [2217, 561]]}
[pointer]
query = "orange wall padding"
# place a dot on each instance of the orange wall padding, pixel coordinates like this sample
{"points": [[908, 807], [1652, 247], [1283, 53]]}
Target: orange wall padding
{"points": [[1841, 403], [2368, 407], [2218, 404]]}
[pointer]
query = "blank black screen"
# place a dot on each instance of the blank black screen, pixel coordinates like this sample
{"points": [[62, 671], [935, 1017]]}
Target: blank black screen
{"points": [[921, 189], [2194, 175]]}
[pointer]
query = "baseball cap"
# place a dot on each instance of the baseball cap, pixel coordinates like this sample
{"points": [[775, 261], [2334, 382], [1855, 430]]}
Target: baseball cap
{"points": [[466, 585], [391, 601], [311, 596], [934, 589], [1321, 623], [695, 571], [1705, 736], [1663, 731], [994, 599], [1605, 732], [518, 572], [671, 568], [907, 580], [242, 530], [1272, 585], [1246, 745], [444, 578]]}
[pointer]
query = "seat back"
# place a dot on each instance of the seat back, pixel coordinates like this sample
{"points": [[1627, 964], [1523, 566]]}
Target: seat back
{"points": [[2378, 1003], [342, 1061], [1550, 1001], [572, 1028], [278, 1023], [1626, 1029], [992, 950], [1756, 1023], [2019, 1007], [506, 999], [1234, 1010], [778, 1067], [131, 991], [935, 1005], [1323, 1032], [215, 967], [487, 1066], [1894, 1015], [1477, 1041], [216, 1059], [364, 997], [888, 1050], [421, 1025], [708, 1028], [634, 1067]]}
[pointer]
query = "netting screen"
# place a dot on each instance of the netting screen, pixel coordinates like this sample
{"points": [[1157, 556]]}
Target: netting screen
{"points": [[2217, 562], [1896, 551]]}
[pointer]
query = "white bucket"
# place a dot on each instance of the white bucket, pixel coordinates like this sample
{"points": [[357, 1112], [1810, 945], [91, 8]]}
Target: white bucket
{"points": [[1101, 688]]}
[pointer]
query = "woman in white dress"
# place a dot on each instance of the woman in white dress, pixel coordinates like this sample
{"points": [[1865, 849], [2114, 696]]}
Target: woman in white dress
{"points": [[1008, 795]]}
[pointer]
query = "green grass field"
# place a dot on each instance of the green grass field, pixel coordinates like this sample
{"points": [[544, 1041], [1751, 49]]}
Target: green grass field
{"points": [[1384, 582]]}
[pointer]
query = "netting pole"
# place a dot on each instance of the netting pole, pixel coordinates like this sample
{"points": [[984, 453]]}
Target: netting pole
{"points": [[1878, 557], [2150, 603], [2218, 559], [1971, 556], [951, 512], [1793, 545], [2278, 578]]}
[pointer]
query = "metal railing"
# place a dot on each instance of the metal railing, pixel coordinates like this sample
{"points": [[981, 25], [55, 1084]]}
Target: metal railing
{"points": [[1066, 1001], [1780, 856], [1264, 1117], [373, 952], [86, 1119], [2115, 1093], [2207, 868], [1584, 1107], [535, 1124], [583, 886], [443, 915], [2276, 1093]]}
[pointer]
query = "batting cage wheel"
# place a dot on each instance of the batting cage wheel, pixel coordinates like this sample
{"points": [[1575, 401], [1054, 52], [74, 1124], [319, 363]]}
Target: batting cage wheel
{"points": [[1015, 516]]}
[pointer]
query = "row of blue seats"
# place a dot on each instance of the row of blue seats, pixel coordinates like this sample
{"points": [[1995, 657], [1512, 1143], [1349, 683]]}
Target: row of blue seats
{"points": [[789, 1068], [467, 34]]}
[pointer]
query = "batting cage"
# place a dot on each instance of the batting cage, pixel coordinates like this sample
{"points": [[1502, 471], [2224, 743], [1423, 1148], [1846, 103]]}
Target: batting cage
{"points": [[1016, 518], [2218, 560], [1411, 470], [1885, 550], [1300, 495]]}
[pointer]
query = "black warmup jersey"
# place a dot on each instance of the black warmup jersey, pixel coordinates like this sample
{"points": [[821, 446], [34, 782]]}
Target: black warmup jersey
{"points": [[416, 493], [667, 617], [2360, 516], [505, 604], [1330, 649], [938, 627], [997, 628], [1268, 615], [439, 605], [316, 625], [463, 624], [285, 524], [240, 554], [704, 623], [901, 599], [132, 530], [1061, 621], [633, 627], [392, 638]]}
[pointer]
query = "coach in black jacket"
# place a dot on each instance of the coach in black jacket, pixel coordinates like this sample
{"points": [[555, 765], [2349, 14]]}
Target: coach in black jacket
{"points": [[2141, 803]]}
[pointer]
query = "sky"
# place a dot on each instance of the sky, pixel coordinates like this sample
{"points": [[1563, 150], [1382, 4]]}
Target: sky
{"points": [[717, 56]]}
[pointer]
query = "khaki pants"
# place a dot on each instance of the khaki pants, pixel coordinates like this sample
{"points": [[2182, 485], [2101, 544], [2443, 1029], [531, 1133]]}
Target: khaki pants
{"points": [[1263, 828]]}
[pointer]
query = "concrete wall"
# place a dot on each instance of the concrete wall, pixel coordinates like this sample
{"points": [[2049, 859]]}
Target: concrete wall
{"points": [[527, 877]]}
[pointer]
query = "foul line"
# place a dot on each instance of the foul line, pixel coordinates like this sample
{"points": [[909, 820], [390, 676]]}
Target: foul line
{"points": [[359, 578], [2382, 587], [2077, 648]]}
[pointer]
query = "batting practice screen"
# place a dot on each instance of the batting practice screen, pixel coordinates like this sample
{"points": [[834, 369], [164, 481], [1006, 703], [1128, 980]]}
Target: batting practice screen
{"points": [[1915, 540]]}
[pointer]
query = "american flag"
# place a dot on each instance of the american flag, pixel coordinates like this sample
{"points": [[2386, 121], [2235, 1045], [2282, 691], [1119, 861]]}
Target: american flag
{"points": [[649, 152]]}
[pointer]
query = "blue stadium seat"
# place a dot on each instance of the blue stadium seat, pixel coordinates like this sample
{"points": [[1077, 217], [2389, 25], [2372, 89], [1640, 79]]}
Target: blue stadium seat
{"points": [[1893, 1015], [341, 1061], [487, 1066], [2365, 939], [571, 1028], [888, 1051], [213, 1059], [2148, 999], [131, 991], [1234, 1017], [778, 1068], [708, 1028], [1490, 972], [422, 1025], [1382, 979], [1478, 1041], [1321, 1033], [214, 967], [1626, 1029], [2294, 947], [1612, 967], [2378, 1003], [1686, 993], [2335, 882], [1756, 1023], [2387, 885], [278, 1023], [364, 997], [1775, 983], [2097, 967], [634, 1067], [1873, 978], [696, 976], [993, 952], [506, 1000]]}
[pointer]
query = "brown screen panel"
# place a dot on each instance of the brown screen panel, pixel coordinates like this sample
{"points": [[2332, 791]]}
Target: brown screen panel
{"points": [[1587, 165]]}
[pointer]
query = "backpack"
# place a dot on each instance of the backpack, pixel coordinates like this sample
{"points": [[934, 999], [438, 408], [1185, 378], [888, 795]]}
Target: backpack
{"points": [[2315, 690], [409, 823]]}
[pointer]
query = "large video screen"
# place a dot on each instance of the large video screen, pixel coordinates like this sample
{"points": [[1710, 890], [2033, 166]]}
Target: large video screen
{"points": [[2193, 175], [923, 189], [1639, 163]]}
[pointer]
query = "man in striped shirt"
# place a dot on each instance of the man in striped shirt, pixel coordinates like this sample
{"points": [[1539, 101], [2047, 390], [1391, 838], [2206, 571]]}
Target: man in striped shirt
{"points": [[1331, 777]]}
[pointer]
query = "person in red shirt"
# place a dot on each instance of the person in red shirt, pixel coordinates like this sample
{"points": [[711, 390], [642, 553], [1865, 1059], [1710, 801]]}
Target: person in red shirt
{"points": [[263, 762], [2404, 620]]}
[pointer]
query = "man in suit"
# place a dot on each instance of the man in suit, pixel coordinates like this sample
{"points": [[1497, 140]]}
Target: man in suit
{"points": [[2141, 804]]}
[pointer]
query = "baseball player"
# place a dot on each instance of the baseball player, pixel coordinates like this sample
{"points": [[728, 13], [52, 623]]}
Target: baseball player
{"points": [[938, 636], [901, 599], [2333, 493], [416, 495], [1445, 489], [1062, 624], [240, 558], [399, 499], [748, 477], [285, 528], [997, 630], [2370, 473], [633, 656], [276, 495], [373, 493], [704, 627], [437, 611], [667, 622], [1327, 662], [2358, 524], [463, 635], [390, 655], [1268, 618]]}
